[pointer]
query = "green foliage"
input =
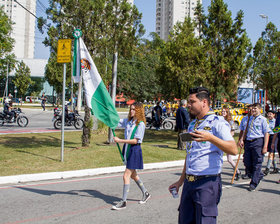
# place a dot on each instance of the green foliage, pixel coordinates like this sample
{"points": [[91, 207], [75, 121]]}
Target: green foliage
{"points": [[183, 61], [6, 43], [54, 73], [217, 56], [137, 78], [228, 49], [107, 25], [102, 128], [266, 72], [36, 87], [22, 78]]}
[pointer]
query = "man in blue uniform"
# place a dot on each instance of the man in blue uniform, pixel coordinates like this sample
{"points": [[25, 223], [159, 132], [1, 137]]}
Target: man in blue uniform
{"points": [[255, 145], [182, 123], [242, 134], [201, 174]]}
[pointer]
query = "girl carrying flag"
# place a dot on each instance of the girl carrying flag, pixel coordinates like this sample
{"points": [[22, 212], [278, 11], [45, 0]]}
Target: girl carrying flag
{"points": [[134, 133]]}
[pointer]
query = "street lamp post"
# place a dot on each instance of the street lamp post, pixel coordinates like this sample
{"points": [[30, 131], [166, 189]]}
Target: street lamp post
{"points": [[264, 95], [16, 94]]}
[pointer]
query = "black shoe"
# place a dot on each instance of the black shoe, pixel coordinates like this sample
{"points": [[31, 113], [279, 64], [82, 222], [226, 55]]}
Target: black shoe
{"points": [[275, 170], [121, 205], [145, 198], [237, 176], [266, 171], [245, 176], [251, 189]]}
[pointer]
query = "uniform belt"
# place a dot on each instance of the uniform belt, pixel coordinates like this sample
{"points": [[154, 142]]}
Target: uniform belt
{"points": [[138, 144], [251, 140], [192, 178]]}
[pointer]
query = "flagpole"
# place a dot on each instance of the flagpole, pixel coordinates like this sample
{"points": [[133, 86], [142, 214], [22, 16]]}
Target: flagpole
{"points": [[113, 130], [114, 87], [76, 67]]}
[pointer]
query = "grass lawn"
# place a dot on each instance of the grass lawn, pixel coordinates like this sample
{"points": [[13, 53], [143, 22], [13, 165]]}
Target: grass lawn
{"points": [[36, 153]]}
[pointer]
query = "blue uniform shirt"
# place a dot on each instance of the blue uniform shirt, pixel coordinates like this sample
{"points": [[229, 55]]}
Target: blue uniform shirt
{"points": [[258, 128], [271, 124], [129, 126], [204, 158], [243, 123]]}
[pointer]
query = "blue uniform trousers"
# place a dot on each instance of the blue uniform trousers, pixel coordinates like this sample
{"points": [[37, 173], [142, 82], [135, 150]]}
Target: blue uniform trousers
{"points": [[199, 201], [253, 159]]}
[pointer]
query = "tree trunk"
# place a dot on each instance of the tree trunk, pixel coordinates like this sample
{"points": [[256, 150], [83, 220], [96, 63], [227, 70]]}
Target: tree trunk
{"points": [[87, 128]]}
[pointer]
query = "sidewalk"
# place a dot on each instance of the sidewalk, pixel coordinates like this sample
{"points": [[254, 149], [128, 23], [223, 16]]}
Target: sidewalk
{"points": [[87, 172]]}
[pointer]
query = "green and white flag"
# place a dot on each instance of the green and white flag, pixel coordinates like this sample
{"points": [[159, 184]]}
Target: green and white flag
{"points": [[76, 57], [97, 97]]}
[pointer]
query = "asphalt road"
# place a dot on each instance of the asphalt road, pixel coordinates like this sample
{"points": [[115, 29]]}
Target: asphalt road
{"points": [[89, 200], [39, 121]]}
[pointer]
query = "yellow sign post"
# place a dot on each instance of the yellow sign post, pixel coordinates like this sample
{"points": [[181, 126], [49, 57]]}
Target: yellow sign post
{"points": [[64, 51], [63, 56]]}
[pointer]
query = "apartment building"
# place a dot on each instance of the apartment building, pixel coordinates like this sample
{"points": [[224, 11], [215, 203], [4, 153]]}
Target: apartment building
{"points": [[169, 12], [24, 26]]}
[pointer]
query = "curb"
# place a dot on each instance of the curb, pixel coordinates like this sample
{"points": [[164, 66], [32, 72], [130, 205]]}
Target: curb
{"points": [[86, 172]]}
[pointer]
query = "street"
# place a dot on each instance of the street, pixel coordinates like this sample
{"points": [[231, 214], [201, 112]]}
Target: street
{"points": [[39, 121], [89, 200]]}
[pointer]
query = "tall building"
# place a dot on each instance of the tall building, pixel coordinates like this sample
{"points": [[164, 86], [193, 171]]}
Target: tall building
{"points": [[169, 12], [24, 26]]}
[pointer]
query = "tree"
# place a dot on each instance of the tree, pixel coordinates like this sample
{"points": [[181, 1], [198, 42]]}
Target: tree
{"points": [[266, 72], [6, 44], [36, 87], [137, 78], [22, 78], [228, 49], [108, 26], [183, 61]]}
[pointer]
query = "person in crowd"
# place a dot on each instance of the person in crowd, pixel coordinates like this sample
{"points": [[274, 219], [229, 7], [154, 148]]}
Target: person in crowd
{"points": [[228, 117], [133, 137], [157, 113], [43, 101], [242, 134], [270, 149], [182, 123], [255, 145], [10, 98], [201, 174], [68, 116], [7, 107]]}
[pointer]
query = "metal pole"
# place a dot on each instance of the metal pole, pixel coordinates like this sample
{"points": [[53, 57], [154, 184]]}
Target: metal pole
{"points": [[79, 99], [7, 80], [72, 103], [63, 113], [114, 87]]}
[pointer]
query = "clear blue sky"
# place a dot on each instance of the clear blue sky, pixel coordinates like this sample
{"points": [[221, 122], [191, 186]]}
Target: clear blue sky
{"points": [[253, 23]]}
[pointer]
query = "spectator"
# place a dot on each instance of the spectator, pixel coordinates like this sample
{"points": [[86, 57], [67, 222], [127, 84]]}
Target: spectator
{"points": [[182, 123], [158, 114], [43, 101]]}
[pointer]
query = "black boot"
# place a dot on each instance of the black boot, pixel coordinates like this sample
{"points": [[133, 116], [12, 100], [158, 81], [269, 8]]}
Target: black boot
{"points": [[266, 171], [275, 170], [237, 176]]}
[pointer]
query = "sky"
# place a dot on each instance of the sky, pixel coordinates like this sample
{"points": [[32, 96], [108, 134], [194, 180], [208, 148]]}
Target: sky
{"points": [[252, 9]]}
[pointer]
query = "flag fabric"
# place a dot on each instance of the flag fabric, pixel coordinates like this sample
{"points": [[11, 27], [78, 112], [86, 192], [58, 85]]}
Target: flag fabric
{"points": [[76, 62], [97, 97], [276, 129]]}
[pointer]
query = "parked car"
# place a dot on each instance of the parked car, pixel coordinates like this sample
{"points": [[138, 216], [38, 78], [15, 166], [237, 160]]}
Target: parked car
{"points": [[32, 99]]}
